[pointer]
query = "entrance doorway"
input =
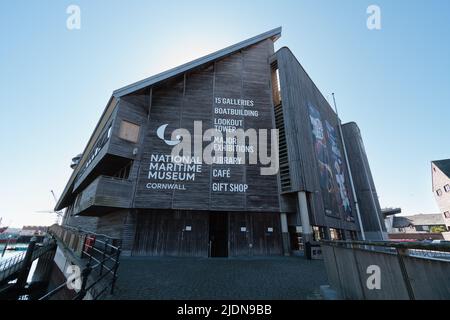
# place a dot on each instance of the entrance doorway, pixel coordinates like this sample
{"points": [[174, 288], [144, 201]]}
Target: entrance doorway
{"points": [[218, 235]]}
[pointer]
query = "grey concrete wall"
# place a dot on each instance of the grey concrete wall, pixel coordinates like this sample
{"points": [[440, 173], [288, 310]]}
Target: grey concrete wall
{"points": [[402, 277]]}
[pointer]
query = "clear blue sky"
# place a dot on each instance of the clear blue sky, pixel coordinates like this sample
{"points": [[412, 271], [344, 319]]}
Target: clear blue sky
{"points": [[55, 83]]}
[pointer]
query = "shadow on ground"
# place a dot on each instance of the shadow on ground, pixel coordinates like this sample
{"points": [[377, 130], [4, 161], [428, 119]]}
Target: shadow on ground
{"points": [[280, 278]]}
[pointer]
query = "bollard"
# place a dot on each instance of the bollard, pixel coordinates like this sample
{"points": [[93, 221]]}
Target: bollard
{"points": [[308, 253]]}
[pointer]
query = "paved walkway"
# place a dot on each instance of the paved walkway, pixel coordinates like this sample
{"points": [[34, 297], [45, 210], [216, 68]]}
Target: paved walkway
{"points": [[279, 278]]}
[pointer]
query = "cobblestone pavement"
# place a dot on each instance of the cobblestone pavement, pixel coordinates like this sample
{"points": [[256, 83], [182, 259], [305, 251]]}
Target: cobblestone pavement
{"points": [[280, 278]]}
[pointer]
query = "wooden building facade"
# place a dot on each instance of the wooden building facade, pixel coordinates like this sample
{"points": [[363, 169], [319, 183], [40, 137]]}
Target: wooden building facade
{"points": [[127, 183]]}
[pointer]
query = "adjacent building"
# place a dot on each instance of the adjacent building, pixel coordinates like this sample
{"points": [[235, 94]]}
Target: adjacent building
{"points": [[128, 184], [416, 227], [440, 172], [29, 232]]}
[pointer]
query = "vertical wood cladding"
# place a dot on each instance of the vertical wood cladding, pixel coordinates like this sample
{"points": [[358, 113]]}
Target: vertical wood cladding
{"points": [[129, 232], [112, 224], [262, 235], [369, 205], [166, 233], [191, 97], [83, 223], [155, 223], [160, 233], [300, 98]]}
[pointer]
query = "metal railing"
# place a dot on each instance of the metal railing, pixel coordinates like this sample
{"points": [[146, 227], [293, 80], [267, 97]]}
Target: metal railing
{"points": [[13, 265], [408, 270], [443, 247], [10, 266], [100, 255]]}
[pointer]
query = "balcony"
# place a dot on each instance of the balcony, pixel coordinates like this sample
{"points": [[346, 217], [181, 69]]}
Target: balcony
{"points": [[105, 163], [103, 195]]}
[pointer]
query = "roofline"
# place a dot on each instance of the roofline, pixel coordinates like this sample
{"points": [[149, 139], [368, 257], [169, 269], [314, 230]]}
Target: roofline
{"points": [[274, 34], [435, 164], [111, 104], [433, 161], [285, 48]]}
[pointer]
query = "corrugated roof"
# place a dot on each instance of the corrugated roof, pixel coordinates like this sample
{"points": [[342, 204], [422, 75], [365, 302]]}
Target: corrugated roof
{"points": [[401, 222], [419, 220]]}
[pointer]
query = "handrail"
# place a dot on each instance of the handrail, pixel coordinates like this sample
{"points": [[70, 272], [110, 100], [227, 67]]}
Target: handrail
{"points": [[52, 292], [406, 261], [10, 260], [81, 231], [14, 264], [391, 244], [91, 247], [11, 266]]}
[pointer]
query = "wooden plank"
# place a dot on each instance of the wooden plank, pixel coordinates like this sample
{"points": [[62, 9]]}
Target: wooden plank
{"points": [[298, 94]]}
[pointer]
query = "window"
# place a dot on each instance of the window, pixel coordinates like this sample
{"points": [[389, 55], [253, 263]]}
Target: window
{"points": [[129, 131], [319, 233], [353, 235], [447, 188], [124, 173], [439, 192], [336, 234], [77, 201], [423, 228], [447, 214]]}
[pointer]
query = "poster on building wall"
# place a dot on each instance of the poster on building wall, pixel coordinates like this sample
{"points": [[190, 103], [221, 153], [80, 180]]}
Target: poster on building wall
{"points": [[332, 173]]}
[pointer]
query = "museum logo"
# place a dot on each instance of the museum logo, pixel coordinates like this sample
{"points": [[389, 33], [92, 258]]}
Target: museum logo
{"points": [[228, 147], [161, 132]]}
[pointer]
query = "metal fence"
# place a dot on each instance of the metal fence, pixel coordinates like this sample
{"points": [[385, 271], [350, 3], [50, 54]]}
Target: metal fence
{"points": [[10, 266], [405, 271], [99, 256]]}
